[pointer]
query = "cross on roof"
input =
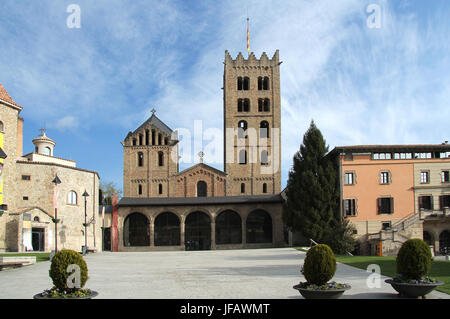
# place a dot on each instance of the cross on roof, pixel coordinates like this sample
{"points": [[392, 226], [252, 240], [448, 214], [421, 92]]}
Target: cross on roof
{"points": [[153, 111], [201, 155]]}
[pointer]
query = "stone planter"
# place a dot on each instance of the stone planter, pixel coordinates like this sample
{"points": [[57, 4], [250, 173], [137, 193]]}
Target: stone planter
{"points": [[321, 294], [91, 296], [413, 290]]}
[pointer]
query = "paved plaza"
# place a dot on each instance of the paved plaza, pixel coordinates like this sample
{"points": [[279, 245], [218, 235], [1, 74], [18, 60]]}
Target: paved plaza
{"points": [[228, 274]]}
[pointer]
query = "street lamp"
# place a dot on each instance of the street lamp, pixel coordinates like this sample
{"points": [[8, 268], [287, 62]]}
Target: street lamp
{"points": [[85, 195], [56, 181]]}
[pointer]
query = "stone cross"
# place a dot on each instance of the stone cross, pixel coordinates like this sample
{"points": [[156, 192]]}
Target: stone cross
{"points": [[201, 155], [153, 111]]}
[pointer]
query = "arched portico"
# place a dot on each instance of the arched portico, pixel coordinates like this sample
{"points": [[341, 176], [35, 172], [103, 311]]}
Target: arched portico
{"points": [[259, 227], [197, 231], [136, 230]]}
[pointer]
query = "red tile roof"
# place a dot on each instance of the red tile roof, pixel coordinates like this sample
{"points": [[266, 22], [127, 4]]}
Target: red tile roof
{"points": [[4, 96]]}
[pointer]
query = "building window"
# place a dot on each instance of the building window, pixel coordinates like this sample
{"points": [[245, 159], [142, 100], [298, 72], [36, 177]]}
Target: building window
{"points": [[242, 188], [264, 158], [36, 219], [47, 151], [402, 156], [240, 84], [444, 201], [263, 105], [26, 177], [445, 176], [159, 139], [424, 177], [25, 198], [246, 85], [243, 157], [382, 156], [426, 202], [72, 198], [243, 105], [349, 207], [1, 127], [140, 159], [385, 225], [264, 129], [349, 178], [202, 189], [141, 139], [242, 129], [263, 83], [385, 205], [264, 188], [134, 143], [140, 189], [160, 189], [166, 141], [422, 155], [385, 178], [160, 158], [153, 137], [147, 137]]}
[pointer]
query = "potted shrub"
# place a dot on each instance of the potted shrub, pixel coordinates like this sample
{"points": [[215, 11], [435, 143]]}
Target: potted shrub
{"points": [[319, 267], [62, 275], [413, 265]]}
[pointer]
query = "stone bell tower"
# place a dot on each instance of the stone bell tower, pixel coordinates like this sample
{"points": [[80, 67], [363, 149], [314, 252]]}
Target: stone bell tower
{"points": [[252, 124]]}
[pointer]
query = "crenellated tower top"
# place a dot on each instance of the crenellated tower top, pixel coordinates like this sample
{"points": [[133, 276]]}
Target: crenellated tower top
{"points": [[252, 60]]}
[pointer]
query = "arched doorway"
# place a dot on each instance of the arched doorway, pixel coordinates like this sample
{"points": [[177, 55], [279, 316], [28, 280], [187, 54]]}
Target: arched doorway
{"points": [[444, 242], [136, 230], [228, 228], [167, 230], [197, 231], [259, 227]]}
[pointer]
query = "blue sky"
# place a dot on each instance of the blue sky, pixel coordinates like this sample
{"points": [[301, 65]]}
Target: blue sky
{"points": [[90, 86]]}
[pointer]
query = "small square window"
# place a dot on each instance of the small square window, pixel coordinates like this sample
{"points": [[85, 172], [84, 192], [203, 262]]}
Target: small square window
{"points": [[350, 207], [25, 198], [26, 177], [424, 177], [349, 179], [386, 225], [384, 178], [386, 205]]}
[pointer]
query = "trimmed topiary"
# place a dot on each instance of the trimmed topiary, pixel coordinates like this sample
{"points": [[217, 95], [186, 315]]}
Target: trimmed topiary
{"points": [[58, 269], [320, 265], [414, 259]]}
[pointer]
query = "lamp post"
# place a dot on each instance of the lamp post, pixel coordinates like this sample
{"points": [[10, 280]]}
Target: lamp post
{"points": [[56, 181], [85, 195]]}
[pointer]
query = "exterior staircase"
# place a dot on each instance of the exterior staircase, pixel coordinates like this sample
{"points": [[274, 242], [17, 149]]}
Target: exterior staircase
{"points": [[409, 227]]}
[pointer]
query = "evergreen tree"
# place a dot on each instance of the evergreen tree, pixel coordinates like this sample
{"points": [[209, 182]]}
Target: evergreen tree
{"points": [[313, 190]]}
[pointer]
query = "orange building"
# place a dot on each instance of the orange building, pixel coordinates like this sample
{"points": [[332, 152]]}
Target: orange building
{"points": [[391, 193]]}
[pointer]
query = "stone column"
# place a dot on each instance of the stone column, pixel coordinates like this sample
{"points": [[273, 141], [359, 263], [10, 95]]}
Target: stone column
{"points": [[213, 235], [182, 228], [152, 231]]}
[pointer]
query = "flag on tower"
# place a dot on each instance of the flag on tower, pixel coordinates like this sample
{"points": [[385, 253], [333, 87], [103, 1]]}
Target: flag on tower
{"points": [[248, 37]]}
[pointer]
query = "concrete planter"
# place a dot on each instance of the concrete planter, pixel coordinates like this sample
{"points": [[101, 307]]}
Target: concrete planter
{"points": [[413, 290], [321, 294], [91, 296]]}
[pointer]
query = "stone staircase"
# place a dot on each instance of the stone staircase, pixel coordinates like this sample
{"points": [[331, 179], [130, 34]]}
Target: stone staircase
{"points": [[392, 238]]}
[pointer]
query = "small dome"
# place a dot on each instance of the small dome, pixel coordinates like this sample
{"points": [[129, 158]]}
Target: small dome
{"points": [[44, 145]]}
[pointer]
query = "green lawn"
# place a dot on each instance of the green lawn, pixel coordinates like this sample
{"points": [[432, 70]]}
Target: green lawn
{"points": [[440, 269], [39, 256]]}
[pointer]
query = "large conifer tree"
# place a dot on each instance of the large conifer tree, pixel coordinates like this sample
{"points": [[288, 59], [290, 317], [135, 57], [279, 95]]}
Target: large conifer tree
{"points": [[312, 205]]}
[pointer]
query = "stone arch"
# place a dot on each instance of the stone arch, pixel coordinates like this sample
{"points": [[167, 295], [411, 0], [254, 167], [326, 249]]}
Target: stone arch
{"points": [[259, 227], [167, 229], [228, 227], [197, 231], [136, 230]]}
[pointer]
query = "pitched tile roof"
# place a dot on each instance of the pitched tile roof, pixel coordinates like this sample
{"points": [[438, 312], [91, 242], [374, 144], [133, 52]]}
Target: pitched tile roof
{"points": [[156, 122], [4, 96]]}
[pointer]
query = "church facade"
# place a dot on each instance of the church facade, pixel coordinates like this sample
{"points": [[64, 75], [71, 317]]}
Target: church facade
{"points": [[202, 207]]}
